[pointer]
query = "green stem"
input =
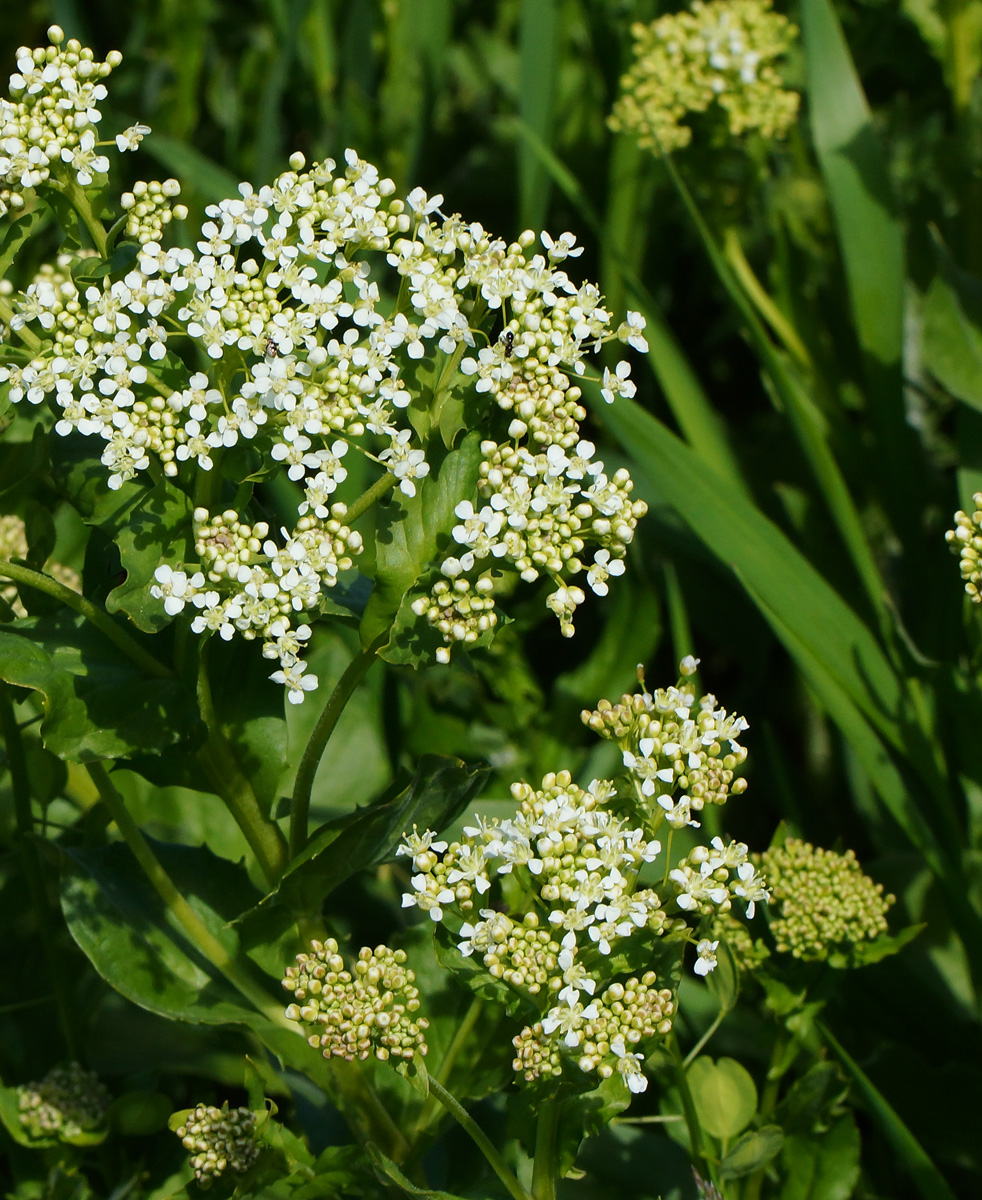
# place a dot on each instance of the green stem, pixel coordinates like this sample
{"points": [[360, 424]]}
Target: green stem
{"points": [[733, 252], [200, 936], [20, 785], [220, 765], [27, 336], [95, 616], [691, 1118], [314, 750], [697, 1048], [768, 1100], [545, 1170], [383, 484], [481, 1139], [76, 196], [446, 1066]]}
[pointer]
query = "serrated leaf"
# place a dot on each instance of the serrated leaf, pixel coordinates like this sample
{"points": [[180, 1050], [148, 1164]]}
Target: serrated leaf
{"points": [[97, 703], [413, 530], [724, 1094], [441, 789]]}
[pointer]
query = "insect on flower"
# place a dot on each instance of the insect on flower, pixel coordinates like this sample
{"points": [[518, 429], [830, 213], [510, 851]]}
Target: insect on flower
{"points": [[271, 351], [509, 343]]}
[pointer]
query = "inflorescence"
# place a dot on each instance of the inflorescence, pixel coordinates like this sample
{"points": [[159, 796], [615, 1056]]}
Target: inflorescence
{"points": [[966, 541], [547, 900], [69, 1101], [13, 544], [719, 51], [370, 1010], [219, 1140], [272, 338], [821, 901]]}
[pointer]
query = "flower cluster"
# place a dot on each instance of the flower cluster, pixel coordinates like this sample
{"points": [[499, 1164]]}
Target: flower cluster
{"points": [[822, 901], [369, 1010], [13, 544], [67, 1102], [717, 51], [218, 1140], [293, 332], [51, 118], [966, 541], [555, 901], [679, 755]]}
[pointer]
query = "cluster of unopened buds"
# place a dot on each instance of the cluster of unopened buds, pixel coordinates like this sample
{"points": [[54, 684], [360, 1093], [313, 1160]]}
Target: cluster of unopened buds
{"points": [[371, 1010], [966, 541], [549, 898], [218, 1140], [822, 903], [308, 358], [721, 51], [69, 1101]]}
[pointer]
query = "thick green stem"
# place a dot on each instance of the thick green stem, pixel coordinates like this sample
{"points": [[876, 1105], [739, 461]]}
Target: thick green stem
{"points": [[545, 1170], [691, 1119], [27, 336], [446, 1066], [383, 484], [95, 616], [300, 810], [198, 933], [21, 787], [216, 757], [481, 1139]]}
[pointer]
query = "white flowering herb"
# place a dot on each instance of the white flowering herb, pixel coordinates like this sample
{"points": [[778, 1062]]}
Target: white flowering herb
{"points": [[293, 334]]}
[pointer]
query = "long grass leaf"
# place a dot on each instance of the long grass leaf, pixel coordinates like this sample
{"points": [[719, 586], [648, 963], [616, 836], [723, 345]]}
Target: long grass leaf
{"points": [[923, 1173], [690, 406], [537, 72], [855, 172], [207, 178]]}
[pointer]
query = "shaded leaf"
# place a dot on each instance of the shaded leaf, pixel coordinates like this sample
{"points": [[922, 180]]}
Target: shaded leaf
{"points": [[821, 1166], [752, 1151], [952, 332], [724, 1094]]}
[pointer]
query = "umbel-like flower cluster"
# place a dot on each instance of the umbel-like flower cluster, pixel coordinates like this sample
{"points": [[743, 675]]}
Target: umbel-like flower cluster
{"points": [[295, 332], [721, 52], [369, 1010], [821, 902], [557, 899], [69, 1101], [218, 1140], [966, 541]]}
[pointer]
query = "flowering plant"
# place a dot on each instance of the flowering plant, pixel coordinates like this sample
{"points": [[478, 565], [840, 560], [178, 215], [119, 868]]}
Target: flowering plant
{"points": [[339, 420]]}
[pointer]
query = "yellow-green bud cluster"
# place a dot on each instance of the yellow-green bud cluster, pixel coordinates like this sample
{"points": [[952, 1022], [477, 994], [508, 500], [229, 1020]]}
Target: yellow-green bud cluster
{"points": [[219, 1140], [821, 900], [602, 1035], [966, 541], [67, 1102], [680, 755], [48, 124], [13, 544], [460, 610], [722, 52], [150, 208], [747, 953], [369, 1010]]}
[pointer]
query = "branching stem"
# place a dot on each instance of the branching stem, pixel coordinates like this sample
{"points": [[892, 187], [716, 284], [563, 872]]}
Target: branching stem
{"points": [[481, 1139]]}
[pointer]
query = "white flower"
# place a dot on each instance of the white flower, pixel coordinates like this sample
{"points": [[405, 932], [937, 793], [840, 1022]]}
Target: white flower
{"points": [[706, 957], [174, 588], [602, 569], [130, 138], [618, 383], [632, 332], [292, 677]]}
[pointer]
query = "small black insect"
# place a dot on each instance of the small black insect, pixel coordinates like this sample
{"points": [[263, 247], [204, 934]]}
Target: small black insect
{"points": [[509, 343]]}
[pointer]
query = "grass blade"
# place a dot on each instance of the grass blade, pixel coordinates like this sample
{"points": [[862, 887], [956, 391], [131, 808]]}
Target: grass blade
{"points": [[537, 72]]}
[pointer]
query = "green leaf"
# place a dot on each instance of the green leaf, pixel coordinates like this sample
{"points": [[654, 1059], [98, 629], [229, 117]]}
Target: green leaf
{"points": [[10, 1119], [442, 788], [724, 1095], [16, 234], [724, 981], [811, 1097], [124, 929], [152, 528], [389, 1173], [952, 332], [413, 530], [821, 1166], [97, 704], [862, 954], [538, 42], [912, 1156], [138, 1114], [208, 179], [852, 162], [752, 1151]]}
